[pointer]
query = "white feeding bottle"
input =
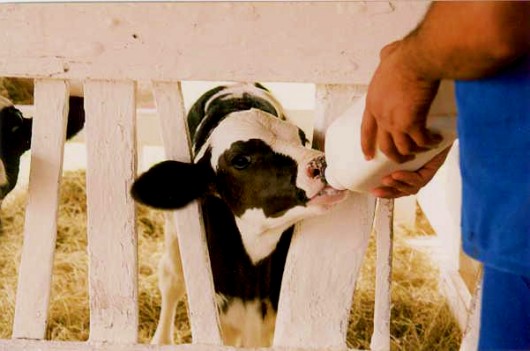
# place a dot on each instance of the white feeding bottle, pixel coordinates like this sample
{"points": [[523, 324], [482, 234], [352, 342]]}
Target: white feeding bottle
{"points": [[348, 169]]}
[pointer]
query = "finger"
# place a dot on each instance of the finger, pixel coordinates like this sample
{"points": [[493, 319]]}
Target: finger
{"points": [[405, 188], [428, 170], [405, 145], [386, 179], [437, 160], [387, 146], [368, 135], [387, 192], [413, 179], [425, 138]]}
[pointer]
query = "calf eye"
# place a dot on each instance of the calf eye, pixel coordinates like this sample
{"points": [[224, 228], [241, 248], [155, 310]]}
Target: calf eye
{"points": [[241, 161]]}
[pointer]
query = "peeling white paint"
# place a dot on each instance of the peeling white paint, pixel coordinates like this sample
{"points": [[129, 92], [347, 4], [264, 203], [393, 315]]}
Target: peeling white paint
{"points": [[40, 228], [188, 226], [111, 229], [270, 41]]}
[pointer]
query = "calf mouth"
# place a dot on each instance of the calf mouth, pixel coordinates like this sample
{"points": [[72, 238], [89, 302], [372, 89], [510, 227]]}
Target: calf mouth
{"points": [[328, 196]]}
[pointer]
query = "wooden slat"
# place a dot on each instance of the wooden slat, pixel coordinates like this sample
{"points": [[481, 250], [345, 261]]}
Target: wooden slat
{"points": [[405, 211], [325, 257], [455, 291], [383, 276], [32, 345], [189, 226], [173, 125], [40, 231], [472, 331], [112, 239], [325, 42], [441, 201]]}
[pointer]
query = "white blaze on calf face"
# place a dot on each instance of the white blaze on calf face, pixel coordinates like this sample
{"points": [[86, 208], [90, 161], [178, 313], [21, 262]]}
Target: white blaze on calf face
{"points": [[242, 89], [282, 137]]}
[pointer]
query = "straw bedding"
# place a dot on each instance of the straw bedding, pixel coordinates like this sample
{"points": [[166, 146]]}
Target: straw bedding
{"points": [[18, 90], [421, 319]]}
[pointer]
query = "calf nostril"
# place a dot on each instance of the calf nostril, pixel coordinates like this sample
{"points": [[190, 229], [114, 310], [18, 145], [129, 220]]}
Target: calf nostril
{"points": [[315, 168], [314, 172]]}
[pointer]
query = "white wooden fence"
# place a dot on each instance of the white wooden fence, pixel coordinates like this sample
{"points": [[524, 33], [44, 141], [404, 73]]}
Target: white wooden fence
{"points": [[110, 47]]}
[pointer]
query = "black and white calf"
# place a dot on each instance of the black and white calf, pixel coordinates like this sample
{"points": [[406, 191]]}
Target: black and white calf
{"points": [[15, 138], [255, 178]]}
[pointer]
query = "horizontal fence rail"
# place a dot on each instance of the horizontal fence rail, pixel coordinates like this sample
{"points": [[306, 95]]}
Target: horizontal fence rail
{"points": [[323, 42], [23, 345]]}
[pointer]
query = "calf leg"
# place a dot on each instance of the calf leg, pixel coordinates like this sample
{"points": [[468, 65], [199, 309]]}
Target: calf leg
{"points": [[170, 283]]}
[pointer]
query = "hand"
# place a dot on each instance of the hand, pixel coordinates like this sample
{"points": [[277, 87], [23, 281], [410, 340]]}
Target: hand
{"points": [[403, 183], [397, 104]]}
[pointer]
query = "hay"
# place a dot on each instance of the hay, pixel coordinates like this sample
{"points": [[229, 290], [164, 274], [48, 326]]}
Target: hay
{"points": [[421, 319], [69, 312], [18, 90]]}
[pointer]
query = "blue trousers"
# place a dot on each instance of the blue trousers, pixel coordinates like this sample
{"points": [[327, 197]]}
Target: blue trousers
{"points": [[494, 134], [505, 314]]}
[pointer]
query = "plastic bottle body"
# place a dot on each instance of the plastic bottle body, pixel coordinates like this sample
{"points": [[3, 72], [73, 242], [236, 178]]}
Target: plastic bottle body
{"points": [[346, 166]]}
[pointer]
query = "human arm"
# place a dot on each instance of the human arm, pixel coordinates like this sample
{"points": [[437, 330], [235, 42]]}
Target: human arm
{"points": [[456, 40]]}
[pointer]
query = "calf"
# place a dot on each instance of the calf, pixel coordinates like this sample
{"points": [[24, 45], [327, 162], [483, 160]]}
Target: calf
{"points": [[15, 138], [255, 178]]}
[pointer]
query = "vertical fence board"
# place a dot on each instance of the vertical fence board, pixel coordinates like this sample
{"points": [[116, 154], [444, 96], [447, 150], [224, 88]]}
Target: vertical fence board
{"points": [[440, 201], [189, 226], [35, 272], [472, 329], [325, 256], [112, 239], [405, 211], [384, 232]]}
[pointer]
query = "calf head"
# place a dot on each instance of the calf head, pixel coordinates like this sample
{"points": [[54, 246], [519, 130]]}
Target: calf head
{"points": [[15, 138], [258, 165]]}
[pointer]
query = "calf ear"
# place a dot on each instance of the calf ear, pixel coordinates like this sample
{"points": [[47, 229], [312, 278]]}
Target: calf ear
{"points": [[172, 184], [15, 132]]}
